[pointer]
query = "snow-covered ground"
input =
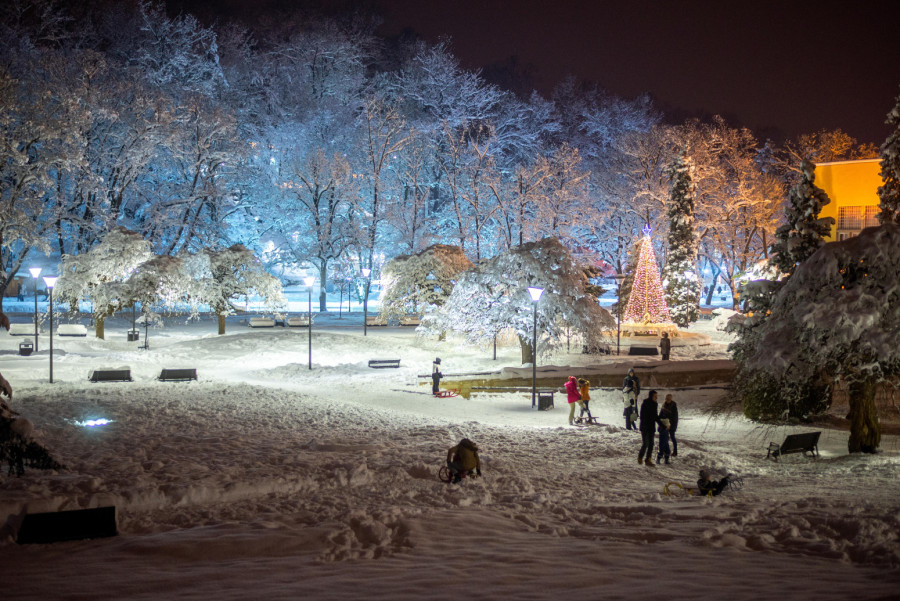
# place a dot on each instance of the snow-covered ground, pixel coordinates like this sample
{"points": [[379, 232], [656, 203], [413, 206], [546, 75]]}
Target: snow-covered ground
{"points": [[268, 480]]}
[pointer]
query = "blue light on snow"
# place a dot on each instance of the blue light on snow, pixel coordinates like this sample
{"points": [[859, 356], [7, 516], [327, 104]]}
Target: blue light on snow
{"points": [[92, 423]]}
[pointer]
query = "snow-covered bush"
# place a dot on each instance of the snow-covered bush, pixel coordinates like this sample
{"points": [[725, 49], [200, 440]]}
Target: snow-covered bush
{"points": [[414, 283], [838, 316], [494, 296]]}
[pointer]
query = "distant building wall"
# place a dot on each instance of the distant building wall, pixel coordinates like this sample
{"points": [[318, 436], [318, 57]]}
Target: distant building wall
{"points": [[852, 187]]}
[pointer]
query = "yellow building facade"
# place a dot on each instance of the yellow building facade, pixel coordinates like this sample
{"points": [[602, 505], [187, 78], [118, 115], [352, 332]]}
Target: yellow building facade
{"points": [[852, 187]]}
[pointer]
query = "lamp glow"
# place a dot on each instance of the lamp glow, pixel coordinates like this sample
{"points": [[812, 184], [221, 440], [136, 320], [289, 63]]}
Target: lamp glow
{"points": [[535, 293]]}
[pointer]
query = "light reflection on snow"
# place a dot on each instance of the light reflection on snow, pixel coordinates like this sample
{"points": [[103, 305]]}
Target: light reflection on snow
{"points": [[92, 423]]}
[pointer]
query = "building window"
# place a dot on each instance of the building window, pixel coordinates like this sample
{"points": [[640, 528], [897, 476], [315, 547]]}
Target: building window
{"points": [[856, 218]]}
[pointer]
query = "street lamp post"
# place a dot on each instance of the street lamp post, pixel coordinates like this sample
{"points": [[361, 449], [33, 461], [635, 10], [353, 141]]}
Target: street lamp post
{"points": [[365, 274], [35, 272], [309, 281], [620, 277], [50, 281], [535, 297]]}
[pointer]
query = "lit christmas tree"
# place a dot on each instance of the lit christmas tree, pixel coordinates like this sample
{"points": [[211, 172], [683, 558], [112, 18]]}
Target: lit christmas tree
{"points": [[647, 303]]}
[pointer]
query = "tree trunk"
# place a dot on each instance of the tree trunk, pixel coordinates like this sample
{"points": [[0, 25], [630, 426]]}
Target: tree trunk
{"points": [[865, 431], [527, 351], [221, 317], [99, 325], [323, 272]]}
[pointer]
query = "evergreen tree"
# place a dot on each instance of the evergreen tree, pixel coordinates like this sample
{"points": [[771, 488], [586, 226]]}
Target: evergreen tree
{"points": [[680, 276], [890, 170], [804, 231], [646, 303]]}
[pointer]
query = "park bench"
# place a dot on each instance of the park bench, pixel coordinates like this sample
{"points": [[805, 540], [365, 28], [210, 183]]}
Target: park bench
{"points": [[120, 374], [71, 329], [298, 322], [262, 322], [807, 442], [375, 320], [382, 363], [177, 375], [643, 350], [410, 320], [21, 329]]}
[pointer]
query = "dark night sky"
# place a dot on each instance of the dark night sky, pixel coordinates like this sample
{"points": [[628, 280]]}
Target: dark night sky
{"points": [[779, 67]]}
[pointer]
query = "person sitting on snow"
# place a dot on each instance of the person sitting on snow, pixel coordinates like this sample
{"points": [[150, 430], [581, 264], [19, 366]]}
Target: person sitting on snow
{"points": [[707, 485], [463, 459]]}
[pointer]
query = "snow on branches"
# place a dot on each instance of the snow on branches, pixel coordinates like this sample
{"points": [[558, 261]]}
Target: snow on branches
{"points": [[889, 193], [804, 231], [681, 278], [494, 296], [414, 283]]}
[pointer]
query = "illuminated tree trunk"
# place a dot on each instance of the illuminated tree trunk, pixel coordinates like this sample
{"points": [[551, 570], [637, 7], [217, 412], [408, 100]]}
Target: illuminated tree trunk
{"points": [[527, 350], [100, 330], [865, 431], [221, 316]]}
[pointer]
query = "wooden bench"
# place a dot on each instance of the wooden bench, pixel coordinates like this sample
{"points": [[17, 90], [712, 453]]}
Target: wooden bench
{"points": [[177, 375], [382, 363], [298, 322], [71, 329], [21, 329], [643, 350], [375, 320], [119, 374], [795, 443], [410, 320], [261, 322]]}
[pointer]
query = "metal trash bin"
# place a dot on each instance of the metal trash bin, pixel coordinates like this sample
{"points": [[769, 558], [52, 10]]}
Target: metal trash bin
{"points": [[133, 335], [545, 400], [26, 348]]}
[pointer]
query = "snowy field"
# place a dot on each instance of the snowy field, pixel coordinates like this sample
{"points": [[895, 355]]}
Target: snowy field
{"points": [[268, 480]]}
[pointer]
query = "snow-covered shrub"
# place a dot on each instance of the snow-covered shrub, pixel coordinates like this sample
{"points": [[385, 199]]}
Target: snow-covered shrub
{"points": [[415, 283], [494, 295], [838, 316]]}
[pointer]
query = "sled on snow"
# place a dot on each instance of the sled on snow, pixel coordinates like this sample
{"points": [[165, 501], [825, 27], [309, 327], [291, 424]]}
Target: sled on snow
{"points": [[587, 421], [446, 394]]}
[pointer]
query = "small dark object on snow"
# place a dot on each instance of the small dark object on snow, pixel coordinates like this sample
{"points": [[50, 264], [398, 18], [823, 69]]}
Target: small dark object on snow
{"points": [[382, 363], [42, 528]]}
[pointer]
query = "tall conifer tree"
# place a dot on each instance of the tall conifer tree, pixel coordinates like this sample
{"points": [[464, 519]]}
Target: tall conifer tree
{"points": [[681, 276], [890, 170]]}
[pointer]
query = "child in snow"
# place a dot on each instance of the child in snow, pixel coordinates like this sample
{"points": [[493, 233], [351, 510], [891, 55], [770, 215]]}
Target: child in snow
{"points": [[573, 396], [436, 375], [670, 407], [463, 458], [584, 388], [631, 388], [707, 485]]}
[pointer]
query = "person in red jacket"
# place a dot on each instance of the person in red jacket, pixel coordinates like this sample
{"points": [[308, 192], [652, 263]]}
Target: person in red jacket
{"points": [[573, 396]]}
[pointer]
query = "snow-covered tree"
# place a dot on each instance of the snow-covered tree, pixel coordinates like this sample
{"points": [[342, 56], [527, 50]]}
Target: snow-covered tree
{"points": [[838, 316], [224, 274], [101, 274], [494, 296], [680, 277], [804, 231], [889, 192], [421, 282]]}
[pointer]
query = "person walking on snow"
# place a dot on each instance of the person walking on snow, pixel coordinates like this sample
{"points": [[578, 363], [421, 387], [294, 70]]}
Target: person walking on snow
{"points": [[665, 345], [631, 388], [649, 421], [436, 375], [671, 407], [573, 396], [584, 388]]}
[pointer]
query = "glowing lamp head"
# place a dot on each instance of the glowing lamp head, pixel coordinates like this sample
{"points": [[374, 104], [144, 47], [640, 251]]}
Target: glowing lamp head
{"points": [[535, 293], [309, 281], [50, 280], [365, 272], [35, 272]]}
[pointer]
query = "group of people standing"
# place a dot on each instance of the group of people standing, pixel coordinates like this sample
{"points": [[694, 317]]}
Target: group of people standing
{"points": [[649, 420]]}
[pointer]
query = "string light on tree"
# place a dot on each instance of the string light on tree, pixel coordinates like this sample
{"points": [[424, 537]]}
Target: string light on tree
{"points": [[647, 302]]}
